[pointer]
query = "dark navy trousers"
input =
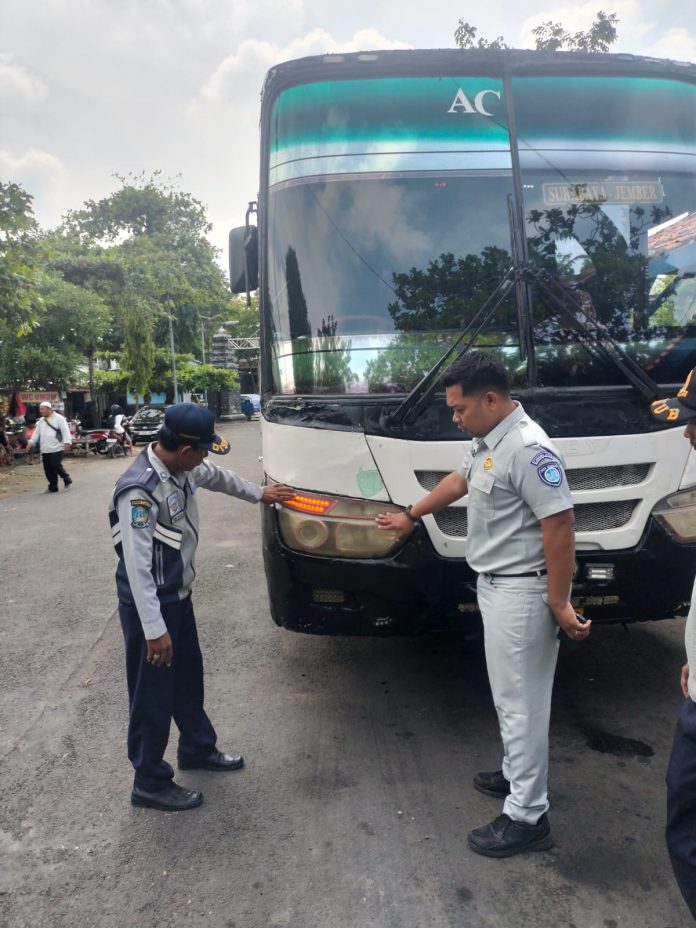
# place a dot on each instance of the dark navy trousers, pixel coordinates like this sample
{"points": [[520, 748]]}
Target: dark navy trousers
{"points": [[681, 804], [159, 694]]}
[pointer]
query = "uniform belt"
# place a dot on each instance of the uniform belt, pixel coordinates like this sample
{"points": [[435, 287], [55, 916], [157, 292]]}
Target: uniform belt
{"points": [[532, 573]]}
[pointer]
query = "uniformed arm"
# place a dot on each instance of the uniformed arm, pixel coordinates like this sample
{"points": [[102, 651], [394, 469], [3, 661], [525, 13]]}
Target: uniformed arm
{"points": [[539, 478], [449, 489], [137, 541], [221, 480], [559, 553]]}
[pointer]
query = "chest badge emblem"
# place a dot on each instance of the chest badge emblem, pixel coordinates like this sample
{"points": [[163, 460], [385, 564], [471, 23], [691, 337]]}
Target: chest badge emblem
{"points": [[488, 463]]}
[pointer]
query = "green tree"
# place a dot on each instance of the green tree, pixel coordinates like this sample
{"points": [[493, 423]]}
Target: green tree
{"points": [[598, 38], [144, 251], [71, 328], [550, 36], [465, 37], [20, 303], [204, 378]]}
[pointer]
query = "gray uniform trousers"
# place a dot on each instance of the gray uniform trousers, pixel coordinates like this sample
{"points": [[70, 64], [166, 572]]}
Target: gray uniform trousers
{"points": [[520, 635]]}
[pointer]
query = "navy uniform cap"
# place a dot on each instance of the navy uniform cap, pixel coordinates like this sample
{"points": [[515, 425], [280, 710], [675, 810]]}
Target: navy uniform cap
{"points": [[681, 407], [195, 425]]}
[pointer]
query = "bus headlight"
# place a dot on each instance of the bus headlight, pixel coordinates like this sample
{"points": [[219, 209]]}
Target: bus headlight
{"points": [[335, 526], [677, 514]]}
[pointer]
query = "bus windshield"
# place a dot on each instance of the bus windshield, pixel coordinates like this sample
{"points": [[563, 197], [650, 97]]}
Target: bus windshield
{"points": [[372, 274]]}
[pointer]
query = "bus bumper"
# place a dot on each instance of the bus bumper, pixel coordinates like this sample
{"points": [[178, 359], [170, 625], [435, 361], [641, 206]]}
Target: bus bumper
{"points": [[417, 590]]}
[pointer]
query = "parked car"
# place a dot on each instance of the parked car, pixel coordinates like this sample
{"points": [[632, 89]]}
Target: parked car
{"points": [[250, 404], [146, 423]]}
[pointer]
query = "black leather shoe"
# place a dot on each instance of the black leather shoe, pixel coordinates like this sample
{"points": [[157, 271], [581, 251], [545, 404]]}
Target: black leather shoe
{"points": [[67, 481], [504, 837], [215, 761], [173, 798], [492, 783]]}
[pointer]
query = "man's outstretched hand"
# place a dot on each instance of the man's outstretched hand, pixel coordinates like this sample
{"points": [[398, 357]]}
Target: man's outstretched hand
{"points": [[395, 522], [276, 493]]}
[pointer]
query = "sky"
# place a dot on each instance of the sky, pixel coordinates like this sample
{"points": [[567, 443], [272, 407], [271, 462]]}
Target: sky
{"points": [[95, 89]]}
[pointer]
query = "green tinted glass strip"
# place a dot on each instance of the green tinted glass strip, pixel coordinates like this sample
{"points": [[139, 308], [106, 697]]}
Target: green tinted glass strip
{"points": [[615, 112], [387, 124]]}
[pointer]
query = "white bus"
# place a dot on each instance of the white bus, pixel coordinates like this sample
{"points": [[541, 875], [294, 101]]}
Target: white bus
{"points": [[416, 204]]}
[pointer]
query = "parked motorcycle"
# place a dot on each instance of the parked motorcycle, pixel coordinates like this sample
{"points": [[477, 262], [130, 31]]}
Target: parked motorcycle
{"points": [[116, 445], [103, 441]]}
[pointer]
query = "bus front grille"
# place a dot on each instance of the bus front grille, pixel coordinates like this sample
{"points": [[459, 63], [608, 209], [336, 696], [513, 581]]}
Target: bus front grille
{"points": [[589, 517], [580, 478]]}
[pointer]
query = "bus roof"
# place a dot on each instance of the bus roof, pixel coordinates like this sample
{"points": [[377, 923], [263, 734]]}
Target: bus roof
{"points": [[459, 62]]}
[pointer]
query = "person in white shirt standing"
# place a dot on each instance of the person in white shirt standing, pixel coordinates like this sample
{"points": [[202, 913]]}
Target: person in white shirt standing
{"points": [[53, 437], [119, 426]]}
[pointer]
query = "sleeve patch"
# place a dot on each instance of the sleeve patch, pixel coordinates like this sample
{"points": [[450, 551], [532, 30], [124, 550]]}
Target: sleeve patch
{"points": [[550, 473], [538, 458], [140, 512]]}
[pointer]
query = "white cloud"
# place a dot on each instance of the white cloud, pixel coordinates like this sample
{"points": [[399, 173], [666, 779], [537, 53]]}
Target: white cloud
{"points": [[17, 82], [679, 44], [42, 175], [246, 67]]}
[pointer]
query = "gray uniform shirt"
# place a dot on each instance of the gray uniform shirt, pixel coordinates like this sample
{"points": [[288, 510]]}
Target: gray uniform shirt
{"points": [[515, 477], [137, 538]]}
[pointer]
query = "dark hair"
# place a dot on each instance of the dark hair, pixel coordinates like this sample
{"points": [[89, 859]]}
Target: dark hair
{"points": [[169, 440], [476, 372]]}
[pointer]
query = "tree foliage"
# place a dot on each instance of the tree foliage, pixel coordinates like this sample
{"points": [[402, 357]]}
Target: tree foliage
{"points": [[109, 279], [465, 37], [20, 303], [549, 36], [598, 38]]}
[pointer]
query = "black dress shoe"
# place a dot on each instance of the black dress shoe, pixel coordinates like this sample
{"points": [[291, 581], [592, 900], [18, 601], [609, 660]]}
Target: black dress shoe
{"points": [[215, 761], [173, 798], [67, 481], [504, 837], [492, 783]]}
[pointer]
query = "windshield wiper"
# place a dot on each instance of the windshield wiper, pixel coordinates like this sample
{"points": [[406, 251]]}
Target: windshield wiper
{"points": [[419, 396]]}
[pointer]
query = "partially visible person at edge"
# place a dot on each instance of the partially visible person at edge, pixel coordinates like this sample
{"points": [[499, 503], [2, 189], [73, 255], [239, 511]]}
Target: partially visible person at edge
{"points": [[521, 543], [6, 455], [120, 421], [54, 439], [681, 771], [154, 524]]}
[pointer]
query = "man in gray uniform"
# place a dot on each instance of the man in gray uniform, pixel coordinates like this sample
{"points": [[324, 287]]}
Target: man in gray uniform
{"points": [[681, 772], [154, 525], [521, 543]]}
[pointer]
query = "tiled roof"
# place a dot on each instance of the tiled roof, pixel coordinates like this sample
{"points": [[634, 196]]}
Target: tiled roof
{"points": [[679, 233]]}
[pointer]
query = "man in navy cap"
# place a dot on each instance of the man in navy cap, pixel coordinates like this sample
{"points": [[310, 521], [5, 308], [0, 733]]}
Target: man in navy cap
{"points": [[154, 525], [681, 773]]}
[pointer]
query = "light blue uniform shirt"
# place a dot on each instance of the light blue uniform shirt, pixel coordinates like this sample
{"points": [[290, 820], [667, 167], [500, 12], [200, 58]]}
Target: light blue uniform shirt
{"points": [[515, 477]]}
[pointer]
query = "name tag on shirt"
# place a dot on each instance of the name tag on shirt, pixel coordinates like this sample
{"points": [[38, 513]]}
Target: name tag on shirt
{"points": [[176, 505]]}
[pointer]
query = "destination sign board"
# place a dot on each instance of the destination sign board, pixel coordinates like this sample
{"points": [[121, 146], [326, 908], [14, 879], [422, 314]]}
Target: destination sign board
{"points": [[604, 191]]}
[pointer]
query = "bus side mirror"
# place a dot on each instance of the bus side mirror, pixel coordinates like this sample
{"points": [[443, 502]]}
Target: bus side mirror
{"points": [[244, 259]]}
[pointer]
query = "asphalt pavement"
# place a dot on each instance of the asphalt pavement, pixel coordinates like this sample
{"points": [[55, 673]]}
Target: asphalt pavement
{"points": [[353, 809]]}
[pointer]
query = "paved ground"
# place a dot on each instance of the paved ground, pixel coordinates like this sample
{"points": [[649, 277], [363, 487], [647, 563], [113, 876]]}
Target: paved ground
{"points": [[355, 803]]}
